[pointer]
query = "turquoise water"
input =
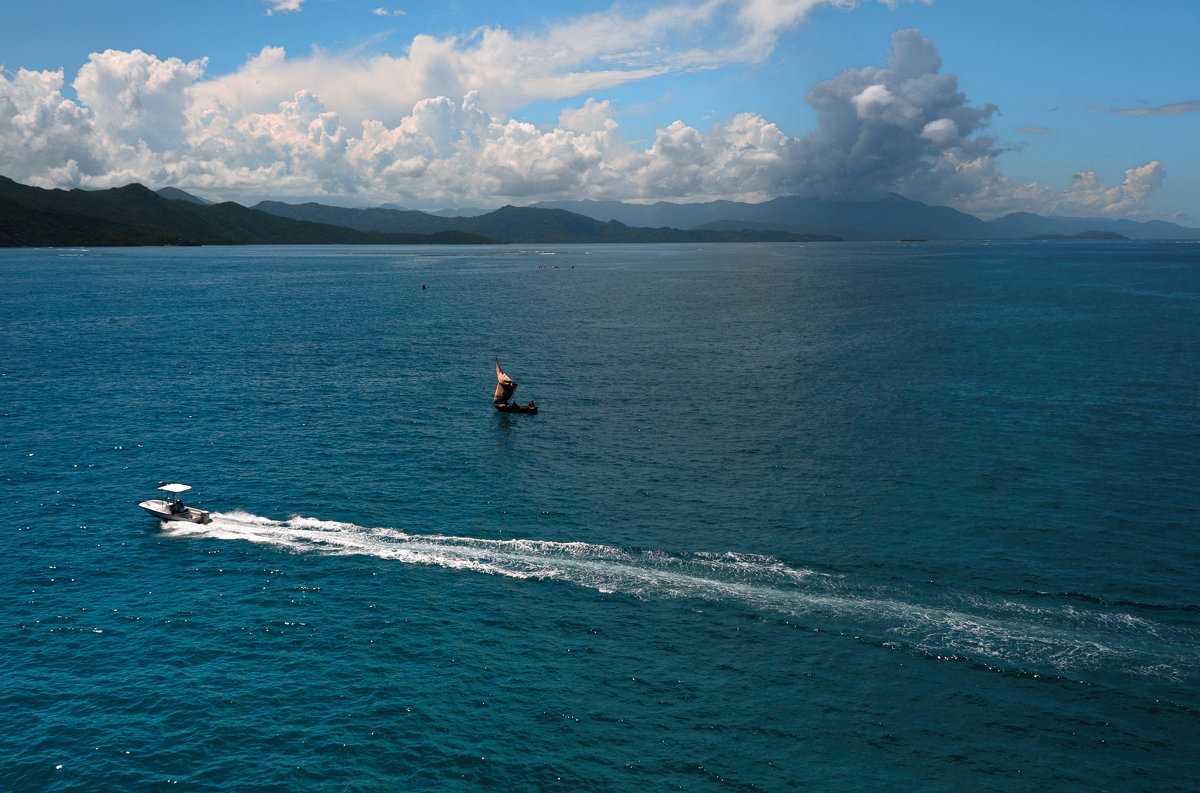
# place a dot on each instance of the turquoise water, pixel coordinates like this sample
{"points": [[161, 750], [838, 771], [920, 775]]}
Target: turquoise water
{"points": [[830, 517]]}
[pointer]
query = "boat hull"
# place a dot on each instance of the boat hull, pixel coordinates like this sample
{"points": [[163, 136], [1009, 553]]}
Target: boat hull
{"points": [[162, 510], [512, 408]]}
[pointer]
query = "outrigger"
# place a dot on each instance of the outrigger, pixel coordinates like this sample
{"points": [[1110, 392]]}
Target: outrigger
{"points": [[166, 509]]}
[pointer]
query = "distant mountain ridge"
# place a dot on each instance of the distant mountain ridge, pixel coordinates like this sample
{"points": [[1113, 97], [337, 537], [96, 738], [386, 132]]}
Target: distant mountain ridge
{"points": [[1025, 224], [889, 216], [523, 225], [884, 217], [175, 194], [135, 215]]}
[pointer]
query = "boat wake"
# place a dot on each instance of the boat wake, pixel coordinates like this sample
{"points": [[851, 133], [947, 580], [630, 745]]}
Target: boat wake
{"points": [[1010, 634], [756, 580]]}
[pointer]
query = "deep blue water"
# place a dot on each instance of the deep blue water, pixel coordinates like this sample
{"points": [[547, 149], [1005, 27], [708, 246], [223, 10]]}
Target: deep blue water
{"points": [[834, 517]]}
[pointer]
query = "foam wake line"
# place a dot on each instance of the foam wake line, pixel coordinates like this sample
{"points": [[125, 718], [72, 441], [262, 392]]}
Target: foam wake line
{"points": [[743, 577], [1014, 635]]}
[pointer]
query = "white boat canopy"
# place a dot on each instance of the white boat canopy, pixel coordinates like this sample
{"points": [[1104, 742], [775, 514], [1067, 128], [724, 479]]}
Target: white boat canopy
{"points": [[175, 487]]}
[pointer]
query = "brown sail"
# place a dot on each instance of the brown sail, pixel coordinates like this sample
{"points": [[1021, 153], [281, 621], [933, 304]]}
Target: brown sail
{"points": [[504, 391], [504, 387]]}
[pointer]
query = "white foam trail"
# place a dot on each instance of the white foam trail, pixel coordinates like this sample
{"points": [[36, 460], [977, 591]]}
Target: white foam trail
{"points": [[601, 567], [1000, 633]]}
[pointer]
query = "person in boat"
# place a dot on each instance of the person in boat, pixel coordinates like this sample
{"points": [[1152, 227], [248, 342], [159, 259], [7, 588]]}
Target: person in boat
{"points": [[177, 508]]}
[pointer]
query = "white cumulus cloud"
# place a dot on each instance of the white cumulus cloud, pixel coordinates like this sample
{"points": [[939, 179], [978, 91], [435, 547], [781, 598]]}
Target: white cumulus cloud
{"points": [[434, 126], [283, 6], [45, 138], [136, 97]]}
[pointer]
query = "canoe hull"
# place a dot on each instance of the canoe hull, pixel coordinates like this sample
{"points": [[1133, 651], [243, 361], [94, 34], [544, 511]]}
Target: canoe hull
{"points": [[513, 408]]}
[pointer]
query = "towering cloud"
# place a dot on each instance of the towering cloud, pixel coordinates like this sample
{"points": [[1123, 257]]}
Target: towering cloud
{"points": [[137, 98], [45, 139], [881, 127]]}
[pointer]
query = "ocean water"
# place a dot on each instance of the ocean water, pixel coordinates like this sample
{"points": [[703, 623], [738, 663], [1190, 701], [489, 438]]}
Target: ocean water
{"points": [[832, 517]]}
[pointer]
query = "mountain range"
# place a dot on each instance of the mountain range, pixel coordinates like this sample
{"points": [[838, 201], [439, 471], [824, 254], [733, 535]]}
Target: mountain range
{"points": [[136, 215], [882, 217], [526, 225]]}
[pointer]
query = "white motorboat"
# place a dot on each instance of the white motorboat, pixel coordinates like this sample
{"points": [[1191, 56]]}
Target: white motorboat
{"points": [[174, 509]]}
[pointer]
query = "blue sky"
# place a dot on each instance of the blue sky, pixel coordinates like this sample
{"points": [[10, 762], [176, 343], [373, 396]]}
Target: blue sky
{"points": [[1052, 107]]}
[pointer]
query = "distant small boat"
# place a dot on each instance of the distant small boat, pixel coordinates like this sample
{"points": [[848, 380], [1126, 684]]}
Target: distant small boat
{"points": [[166, 509], [504, 391]]}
